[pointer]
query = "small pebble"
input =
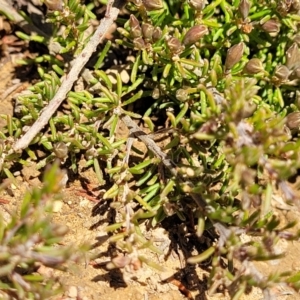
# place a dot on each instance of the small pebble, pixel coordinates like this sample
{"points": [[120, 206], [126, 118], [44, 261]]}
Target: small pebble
{"points": [[45, 271], [84, 203], [72, 292], [57, 206], [13, 187]]}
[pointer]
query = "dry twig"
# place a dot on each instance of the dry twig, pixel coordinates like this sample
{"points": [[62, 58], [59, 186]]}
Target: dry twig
{"points": [[13, 15], [112, 11]]}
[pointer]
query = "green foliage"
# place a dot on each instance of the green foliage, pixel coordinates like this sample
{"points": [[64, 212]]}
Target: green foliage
{"points": [[28, 240], [224, 79]]}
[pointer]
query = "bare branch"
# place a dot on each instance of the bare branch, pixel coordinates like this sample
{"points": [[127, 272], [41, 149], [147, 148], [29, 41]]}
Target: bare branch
{"points": [[112, 11], [13, 15]]}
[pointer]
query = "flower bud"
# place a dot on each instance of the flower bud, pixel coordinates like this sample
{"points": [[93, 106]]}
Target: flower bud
{"points": [[139, 43], [253, 66], [293, 120], [54, 4], [283, 7], [153, 4], [234, 55], [135, 28], [195, 34], [174, 45], [197, 4], [292, 56], [182, 95], [296, 5], [60, 149], [157, 34], [147, 31], [282, 73], [155, 93], [244, 8], [272, 27], [295, 74]]}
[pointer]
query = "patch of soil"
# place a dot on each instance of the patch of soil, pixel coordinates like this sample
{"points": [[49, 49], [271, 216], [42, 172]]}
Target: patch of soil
{"points": [[6, 107]]}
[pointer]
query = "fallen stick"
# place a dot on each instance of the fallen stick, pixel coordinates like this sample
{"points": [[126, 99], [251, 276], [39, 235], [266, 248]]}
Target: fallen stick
{"points": [[14, 16], [112, 11]]}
